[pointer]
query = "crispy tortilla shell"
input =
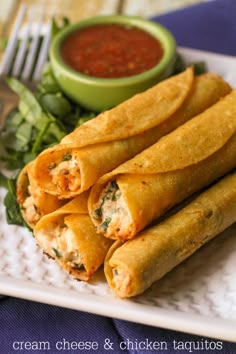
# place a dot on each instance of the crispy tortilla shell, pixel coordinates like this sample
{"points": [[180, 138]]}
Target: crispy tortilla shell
{"points": [[132, 267], [153, 182], [137, 114], [90, 246], [190, 143], [33, 201], [115, 136]]}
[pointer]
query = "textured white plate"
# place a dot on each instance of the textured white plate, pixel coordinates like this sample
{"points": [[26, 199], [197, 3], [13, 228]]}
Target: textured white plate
{"points": [[198, 297]]}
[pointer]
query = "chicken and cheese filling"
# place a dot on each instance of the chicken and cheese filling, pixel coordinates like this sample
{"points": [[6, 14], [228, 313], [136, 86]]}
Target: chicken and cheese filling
{"points": [[112, 215], [60, 242], [65, 174], [29, 208], [121, 280]]}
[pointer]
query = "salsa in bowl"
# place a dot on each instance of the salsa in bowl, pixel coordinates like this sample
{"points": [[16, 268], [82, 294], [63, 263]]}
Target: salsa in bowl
{"points": [[102, 61]]}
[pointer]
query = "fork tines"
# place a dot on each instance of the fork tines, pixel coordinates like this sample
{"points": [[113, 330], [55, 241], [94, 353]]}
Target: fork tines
{"points": [[28, 45]]}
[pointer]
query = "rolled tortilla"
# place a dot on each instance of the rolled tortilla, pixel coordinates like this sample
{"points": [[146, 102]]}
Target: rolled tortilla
{"points": [[68, 236], [117, 135], [126, 200], [33, 201], [132, 267]]}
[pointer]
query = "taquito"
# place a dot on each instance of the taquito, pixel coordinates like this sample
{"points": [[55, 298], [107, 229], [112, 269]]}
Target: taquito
{"points": [[117, 135], [33, 201], [126, 200], [132, 267], [68, 236]]}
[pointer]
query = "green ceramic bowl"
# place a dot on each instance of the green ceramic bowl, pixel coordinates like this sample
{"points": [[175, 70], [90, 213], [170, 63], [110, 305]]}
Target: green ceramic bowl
{"points": [[101, 93]]}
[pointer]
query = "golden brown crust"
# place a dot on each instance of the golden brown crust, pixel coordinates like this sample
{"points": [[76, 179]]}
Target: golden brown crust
{"points": [[181, 163], [113, 137], [90, 246], [157, 250], [137, 114]]}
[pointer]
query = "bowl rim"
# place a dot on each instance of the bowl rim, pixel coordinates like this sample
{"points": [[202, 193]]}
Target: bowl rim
{"points": [[155, 29]]}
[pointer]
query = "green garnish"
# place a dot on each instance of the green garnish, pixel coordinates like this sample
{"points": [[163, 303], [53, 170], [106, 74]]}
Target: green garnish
{"points": [[13, 213], [55, 28], [57, 104], [36, 209], [78, 266], [115, 272], [67, 157], [52, 166], [3, 181], [199, 67], [57, 253], [115, 188], [105, 224], [111, 194], [98, 212]]}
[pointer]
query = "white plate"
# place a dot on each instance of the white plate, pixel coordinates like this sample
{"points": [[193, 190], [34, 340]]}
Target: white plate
{"points": [[198, 297]]}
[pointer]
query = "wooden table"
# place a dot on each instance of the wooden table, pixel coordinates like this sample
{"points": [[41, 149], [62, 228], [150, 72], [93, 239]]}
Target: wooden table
{"points": [[76, 10]]}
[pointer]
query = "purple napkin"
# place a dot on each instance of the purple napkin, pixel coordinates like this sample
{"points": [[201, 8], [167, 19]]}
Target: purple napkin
{"points": [[210, 26], [30, 327]]}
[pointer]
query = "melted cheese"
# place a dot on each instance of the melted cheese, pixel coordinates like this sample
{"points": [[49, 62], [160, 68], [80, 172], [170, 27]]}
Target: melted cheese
{"points": [[121, 280], [66, 175], [29, 209], [60, 242], [116, 218]]}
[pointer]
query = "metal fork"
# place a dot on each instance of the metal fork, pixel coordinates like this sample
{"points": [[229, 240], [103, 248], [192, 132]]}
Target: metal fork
{"points": [[26, 53]]}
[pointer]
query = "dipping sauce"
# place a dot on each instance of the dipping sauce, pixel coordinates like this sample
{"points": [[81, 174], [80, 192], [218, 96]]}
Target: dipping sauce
{"points": [[111, 51]]}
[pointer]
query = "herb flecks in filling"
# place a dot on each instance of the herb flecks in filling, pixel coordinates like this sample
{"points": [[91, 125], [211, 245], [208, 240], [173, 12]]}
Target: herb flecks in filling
{"points": [[112, 193], [64, 247], [67, 157], [57, 253], [65, 174], [105, 224], [52, 166], [79, 267], [29, 207], [121, 280], [112, 214]]}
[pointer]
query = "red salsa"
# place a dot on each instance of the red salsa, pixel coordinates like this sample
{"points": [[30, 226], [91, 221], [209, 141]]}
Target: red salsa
{"points": [[111, 51]]}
